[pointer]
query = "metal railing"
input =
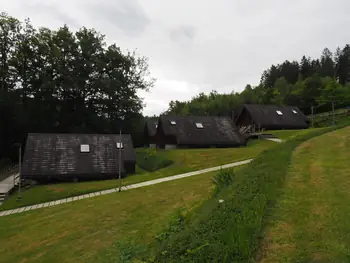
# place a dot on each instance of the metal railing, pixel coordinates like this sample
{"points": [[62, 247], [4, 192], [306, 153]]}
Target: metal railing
{"points": [[8, 170]]}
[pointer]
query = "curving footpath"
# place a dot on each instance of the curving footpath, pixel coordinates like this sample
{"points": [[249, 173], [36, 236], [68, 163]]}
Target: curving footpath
{"points": [[123, 188]]}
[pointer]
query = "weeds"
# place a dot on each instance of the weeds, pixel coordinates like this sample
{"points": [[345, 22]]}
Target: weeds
{"points": [[222, 179]]}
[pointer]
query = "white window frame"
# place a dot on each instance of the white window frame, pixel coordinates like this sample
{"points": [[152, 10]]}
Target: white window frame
{"points": [[279, 112], [199, 125], [84, 148], [294, 111], [118, 144], [173, 122]]}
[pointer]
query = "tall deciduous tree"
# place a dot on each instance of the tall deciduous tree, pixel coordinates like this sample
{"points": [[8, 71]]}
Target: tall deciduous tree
{"points": [[64, 81]]}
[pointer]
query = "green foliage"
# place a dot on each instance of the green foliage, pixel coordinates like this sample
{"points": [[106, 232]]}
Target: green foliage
{"points": [[152, 160], [223, 179], [124, 251], [64, 81], [174, 226], [229, 231]]}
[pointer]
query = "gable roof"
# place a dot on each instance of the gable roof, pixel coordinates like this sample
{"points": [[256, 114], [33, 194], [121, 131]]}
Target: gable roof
{"points": [[215, 131], [151, 126], [59, 154], [275, 116]]}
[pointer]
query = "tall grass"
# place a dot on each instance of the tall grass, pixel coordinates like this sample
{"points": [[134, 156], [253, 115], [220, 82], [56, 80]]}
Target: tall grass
{"points": [[230, 230], [222, 179]]}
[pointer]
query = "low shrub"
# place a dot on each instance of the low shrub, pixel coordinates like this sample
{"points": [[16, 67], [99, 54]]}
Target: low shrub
{"points": [[151, 160]]}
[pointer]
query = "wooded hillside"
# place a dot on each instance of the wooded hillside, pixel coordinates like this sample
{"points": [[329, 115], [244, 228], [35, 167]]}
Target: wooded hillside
{"points": [[310, 82]]}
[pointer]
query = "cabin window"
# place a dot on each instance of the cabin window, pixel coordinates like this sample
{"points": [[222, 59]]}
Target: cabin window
{"points": [[279, 112], [120, 145], [199, 125], [84, 148], [294, 111], [173, 122]]}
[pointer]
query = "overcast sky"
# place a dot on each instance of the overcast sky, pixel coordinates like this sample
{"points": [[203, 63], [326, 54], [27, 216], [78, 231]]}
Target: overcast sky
{"points": [[201, 45]]}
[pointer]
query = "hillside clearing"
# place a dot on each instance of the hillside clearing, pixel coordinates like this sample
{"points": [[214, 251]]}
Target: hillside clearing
{"points": [[310, 222], [83, 231], [184, 160]]}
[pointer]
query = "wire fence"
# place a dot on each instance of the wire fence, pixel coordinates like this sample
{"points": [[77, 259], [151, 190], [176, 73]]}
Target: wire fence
{"points": [[325, 119]]}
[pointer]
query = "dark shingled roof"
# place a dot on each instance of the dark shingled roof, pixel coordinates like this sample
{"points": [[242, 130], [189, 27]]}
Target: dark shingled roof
{"points": [[215, 131], [267, 117], [151, 126], [59, 154]]}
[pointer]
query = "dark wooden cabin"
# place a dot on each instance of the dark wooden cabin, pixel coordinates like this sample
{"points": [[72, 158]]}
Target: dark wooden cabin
{"points": [[150, 133], [67, 157], [270, 117], [197, 132]]}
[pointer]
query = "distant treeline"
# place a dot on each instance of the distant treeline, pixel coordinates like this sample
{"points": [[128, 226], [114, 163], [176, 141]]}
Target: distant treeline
{"points": [[310, 82]]}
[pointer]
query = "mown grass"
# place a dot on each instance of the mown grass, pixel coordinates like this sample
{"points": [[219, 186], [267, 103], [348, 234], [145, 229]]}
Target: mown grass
{"points": [[184, 160], [311, 220], [290, 134], [231, 231], [93, 230]]}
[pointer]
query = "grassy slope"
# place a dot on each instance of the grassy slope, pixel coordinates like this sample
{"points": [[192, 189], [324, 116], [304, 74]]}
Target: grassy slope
{"points": [[84, 231], [290, 134], [311, 221], [230, 231], [184, 161]]}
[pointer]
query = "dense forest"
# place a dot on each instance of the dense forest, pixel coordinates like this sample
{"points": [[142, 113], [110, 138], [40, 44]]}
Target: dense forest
{"points": [[64, 81], [310, 82]]}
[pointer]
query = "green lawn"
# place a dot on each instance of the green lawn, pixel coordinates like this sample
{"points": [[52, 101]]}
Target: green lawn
{"points": [[290, 134], [85, 230], [184, 160], [311, 221], [232, 230]]}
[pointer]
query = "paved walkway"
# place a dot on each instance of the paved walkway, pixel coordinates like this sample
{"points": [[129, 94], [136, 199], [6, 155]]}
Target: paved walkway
{"points": [[124, 188], [275, 140], [7, 184]]}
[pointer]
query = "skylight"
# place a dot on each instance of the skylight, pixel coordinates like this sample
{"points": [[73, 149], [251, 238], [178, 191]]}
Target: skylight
{"points": [[294, 111], [173, 122], [199, 125], [120, 145], [84, 148], [279, 112]]}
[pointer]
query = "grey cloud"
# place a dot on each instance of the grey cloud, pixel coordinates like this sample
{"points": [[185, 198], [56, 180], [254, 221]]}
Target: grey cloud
{"points": [[48, 10], [127, 15], [182, 32]]}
